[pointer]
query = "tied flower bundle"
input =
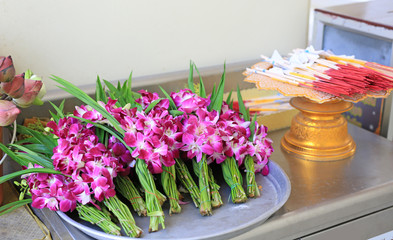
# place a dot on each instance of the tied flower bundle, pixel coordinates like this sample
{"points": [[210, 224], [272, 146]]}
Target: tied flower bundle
{"points": [[94, 159]]}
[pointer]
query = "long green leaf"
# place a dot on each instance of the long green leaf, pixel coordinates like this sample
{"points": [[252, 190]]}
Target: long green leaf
{"points": [[27, 171], [40, 160], [229, 98], [202, 90], [47, 140], [252, 128], [176, 112], [171, 102], [152, 105], [191, 77], [14, 205], [38, 148], [242, 107], [24, 149], [216, 103], [115, 93], [13, 156], [100, 91], [76, 92], [116, 134], [59, 111]]}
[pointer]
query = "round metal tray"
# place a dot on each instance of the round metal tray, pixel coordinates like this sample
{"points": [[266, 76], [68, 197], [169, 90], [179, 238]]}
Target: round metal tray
{"points": [[228, 221]]}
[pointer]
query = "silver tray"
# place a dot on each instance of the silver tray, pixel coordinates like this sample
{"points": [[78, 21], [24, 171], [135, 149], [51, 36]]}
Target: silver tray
{"points": [[228, 221]]}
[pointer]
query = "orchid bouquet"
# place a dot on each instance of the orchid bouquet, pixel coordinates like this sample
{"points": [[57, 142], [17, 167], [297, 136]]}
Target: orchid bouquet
{"points": [[123, 139]]}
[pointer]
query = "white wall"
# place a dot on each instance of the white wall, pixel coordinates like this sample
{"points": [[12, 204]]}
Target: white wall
{"points": [[80, 39]]}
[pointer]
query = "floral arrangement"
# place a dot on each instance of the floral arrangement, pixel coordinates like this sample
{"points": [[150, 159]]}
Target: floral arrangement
{"points": [[126, 145], [22, 90]]}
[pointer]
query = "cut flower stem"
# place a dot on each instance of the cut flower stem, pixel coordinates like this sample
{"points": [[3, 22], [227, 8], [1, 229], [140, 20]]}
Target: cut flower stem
{"points": [[205, 207], [214, 187], [168, 182], [94, 216], [252, 186], [234, 179], [128, 190], [153, 204], [124, 215], [187, 181]]}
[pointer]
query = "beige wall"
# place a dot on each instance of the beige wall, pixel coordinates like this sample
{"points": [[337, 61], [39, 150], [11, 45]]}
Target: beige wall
{"points": [[80, 39]]}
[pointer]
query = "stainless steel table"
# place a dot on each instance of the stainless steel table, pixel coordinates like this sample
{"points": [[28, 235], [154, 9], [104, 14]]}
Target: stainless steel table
{"points": [[347, 199]]}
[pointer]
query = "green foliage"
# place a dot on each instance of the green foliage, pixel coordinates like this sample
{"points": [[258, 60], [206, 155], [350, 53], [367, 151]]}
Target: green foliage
{"points": [[242, 107], [191, 77], [217, 96], [27, 171], [14, 205], [76, 92]]}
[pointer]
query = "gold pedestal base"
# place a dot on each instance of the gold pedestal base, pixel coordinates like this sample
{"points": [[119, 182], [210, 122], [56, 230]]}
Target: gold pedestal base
{"points": [[319, 131]]}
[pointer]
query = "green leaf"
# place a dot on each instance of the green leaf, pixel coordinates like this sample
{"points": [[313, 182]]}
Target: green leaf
{"points": [[14, 205], [100, 91], [111, 87], [116, 134], [13, 156], [54, 116], [129, 82], [171, 102], [76, 92], [242, 107], [35, 148], [252, 128], [191, 77], [202, 90], [33, 159], [176, 112], [59, 110], [27, 171], [47, 140], [115, 93], [229, 98], [152, 105], [213, 96], [216, 103]]}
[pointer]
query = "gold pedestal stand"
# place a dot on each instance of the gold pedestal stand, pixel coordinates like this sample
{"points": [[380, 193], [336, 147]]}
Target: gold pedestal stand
{"points": [[319, 131]]}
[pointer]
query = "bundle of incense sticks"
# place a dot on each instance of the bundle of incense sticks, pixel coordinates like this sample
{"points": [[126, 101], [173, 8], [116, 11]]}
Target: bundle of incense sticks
{"points": [[341, 76]]}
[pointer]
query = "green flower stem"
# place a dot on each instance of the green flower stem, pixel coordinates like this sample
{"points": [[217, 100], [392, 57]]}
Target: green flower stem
{"points": [[123, 214], [153, 205], [252, 187], [94, 216], [161, 197], [126, 188], [234, 179], [187, 181], [214, 187], [205, 207], [168, 181]]}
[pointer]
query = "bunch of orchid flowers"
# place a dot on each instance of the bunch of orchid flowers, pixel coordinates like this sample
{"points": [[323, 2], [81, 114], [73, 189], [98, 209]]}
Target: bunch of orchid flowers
{"points": [[89, 157]]}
